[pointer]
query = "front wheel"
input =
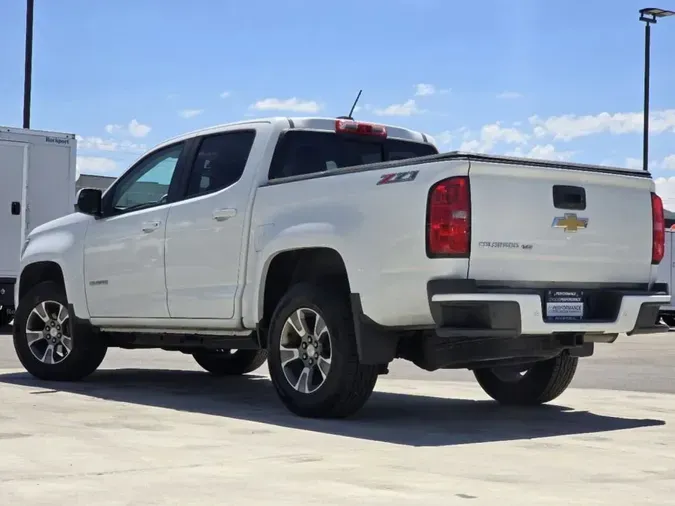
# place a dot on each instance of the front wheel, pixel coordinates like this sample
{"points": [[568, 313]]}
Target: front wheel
{"points": [[45, 341], [230, 362], [313, 360], [537, 384]]}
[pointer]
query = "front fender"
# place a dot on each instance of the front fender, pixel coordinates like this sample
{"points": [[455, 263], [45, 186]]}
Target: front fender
{"points": [[64, 247]]}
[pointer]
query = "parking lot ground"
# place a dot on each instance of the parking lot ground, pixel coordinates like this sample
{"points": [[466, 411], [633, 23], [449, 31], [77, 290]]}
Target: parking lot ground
{"points": [[183, 437]]}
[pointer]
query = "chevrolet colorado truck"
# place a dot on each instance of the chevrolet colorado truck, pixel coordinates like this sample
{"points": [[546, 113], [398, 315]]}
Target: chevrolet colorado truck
{"points": [[330, 247]]}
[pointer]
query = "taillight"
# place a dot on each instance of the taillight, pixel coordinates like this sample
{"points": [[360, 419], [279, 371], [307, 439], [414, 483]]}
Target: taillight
{"points": [[449, 218], [659, 230], [349, 126]]}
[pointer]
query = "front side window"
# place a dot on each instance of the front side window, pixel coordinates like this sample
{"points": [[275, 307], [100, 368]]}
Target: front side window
{"points": [[220, 162], [148, 183]]}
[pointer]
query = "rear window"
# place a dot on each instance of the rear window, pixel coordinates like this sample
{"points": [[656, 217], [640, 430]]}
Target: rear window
{"points": [[301, 152]]}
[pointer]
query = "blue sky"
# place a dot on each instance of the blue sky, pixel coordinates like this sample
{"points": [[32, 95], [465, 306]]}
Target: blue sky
{"points": [[530, 77]]}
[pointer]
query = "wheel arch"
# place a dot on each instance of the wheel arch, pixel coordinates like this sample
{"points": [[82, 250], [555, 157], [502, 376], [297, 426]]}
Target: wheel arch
{"points": [[310, 264], [39, 272]]}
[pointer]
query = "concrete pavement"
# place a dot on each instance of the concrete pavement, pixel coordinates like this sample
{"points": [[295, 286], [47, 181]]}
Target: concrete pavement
{"points": [[643, 363], [171, 434], [167, 437]]}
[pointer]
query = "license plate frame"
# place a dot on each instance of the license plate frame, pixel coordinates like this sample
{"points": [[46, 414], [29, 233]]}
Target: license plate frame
{"points": [[564, 306]]}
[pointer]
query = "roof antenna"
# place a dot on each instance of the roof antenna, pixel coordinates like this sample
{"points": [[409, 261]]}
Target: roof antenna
{"points": [[353, 107]]}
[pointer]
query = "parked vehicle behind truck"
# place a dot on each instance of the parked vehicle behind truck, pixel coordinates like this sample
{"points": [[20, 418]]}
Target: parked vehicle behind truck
{"points": [[666, 275], [331, 247], [37, 185]]}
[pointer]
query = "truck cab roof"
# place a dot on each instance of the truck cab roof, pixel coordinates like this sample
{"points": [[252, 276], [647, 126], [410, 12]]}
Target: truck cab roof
{"points": [[325, 124]]}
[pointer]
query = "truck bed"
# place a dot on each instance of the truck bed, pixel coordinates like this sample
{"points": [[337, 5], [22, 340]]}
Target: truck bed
{"points": [[471, 157]]}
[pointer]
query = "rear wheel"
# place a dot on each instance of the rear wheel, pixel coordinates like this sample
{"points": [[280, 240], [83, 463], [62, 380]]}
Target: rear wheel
{"points": [[230, 362], [535, 384], [313, 361], [45, 341]]}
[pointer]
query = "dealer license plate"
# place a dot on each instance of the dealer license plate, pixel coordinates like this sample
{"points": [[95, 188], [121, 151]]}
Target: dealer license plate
{"points": [[564, 305]]}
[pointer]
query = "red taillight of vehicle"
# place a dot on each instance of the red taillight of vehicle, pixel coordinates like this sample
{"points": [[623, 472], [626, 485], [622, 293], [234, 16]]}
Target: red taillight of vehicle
{"points": [[449, 218], [659, 230], [349, 126]]}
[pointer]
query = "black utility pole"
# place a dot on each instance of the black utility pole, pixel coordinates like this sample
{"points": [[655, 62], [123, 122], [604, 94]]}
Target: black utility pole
{"points": [[649, 16], [28, 69]]}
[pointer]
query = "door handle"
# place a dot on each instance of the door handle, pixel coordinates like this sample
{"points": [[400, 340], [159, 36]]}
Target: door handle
{"points": [[224, 214], [150, 226]]}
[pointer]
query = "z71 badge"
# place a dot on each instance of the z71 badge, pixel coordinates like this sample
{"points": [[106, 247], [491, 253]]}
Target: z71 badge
{"points": [[398, 177]]}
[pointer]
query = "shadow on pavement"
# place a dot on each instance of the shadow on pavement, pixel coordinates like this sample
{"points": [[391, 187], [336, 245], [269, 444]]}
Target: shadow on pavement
{"points": [[413, 420]]}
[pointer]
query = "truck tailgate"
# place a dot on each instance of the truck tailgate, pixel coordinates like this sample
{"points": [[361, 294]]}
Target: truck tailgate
{"points": [[545, 224]]}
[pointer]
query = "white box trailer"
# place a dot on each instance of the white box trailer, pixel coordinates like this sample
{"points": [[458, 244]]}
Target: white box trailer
{"points": [[37, 185], [666, 274]]}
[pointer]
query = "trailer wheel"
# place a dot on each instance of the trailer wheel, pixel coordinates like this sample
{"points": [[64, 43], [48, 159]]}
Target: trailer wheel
{"points": [[538, 384]]}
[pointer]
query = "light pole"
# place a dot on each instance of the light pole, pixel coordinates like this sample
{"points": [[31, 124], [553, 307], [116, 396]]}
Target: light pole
{"points": [[28, 67], [649, 16]]}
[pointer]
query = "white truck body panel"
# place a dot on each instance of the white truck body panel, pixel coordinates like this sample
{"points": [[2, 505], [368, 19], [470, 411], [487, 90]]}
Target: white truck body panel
{"points": [[616, 245], [195, 273], [384, 253], [38, 171]]}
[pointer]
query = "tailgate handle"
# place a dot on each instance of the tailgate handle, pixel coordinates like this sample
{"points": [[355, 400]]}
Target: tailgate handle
{"points": [[569, 197]]}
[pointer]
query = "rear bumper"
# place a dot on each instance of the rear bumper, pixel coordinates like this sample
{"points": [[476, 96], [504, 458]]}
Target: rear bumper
{"points": [[468, 308]]}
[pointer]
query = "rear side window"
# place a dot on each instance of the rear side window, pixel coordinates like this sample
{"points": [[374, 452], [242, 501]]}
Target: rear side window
{"points": [[220, 161], [301, 152]]}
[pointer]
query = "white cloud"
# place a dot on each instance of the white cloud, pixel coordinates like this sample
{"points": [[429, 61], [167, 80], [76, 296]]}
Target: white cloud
{"points": [[406, 109], [489, 136], [134, 128], [290, 104], [668, 163], [190, 113], [542, 152], [95, 165], [509, 95], [225, 94], [665, 188], [100, 144], [138, 129], [422, 90], [571, 126], [444, 138], [633, 163]]}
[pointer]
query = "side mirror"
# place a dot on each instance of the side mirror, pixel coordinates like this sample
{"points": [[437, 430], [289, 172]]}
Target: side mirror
{"points": [[89, 201]]}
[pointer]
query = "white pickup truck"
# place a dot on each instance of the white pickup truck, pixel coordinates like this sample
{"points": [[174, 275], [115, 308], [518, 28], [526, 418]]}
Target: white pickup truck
{"points": [[330, 247]]}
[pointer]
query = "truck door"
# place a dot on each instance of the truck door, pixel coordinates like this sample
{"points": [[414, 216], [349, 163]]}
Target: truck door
{"points": [[205, 229], [124, 249]]}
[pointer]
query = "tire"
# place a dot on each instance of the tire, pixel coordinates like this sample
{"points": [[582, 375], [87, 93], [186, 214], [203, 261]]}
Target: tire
{"points": [[669, 320], [541, 383], [346, 384], [87, 350], [230, 362]]}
